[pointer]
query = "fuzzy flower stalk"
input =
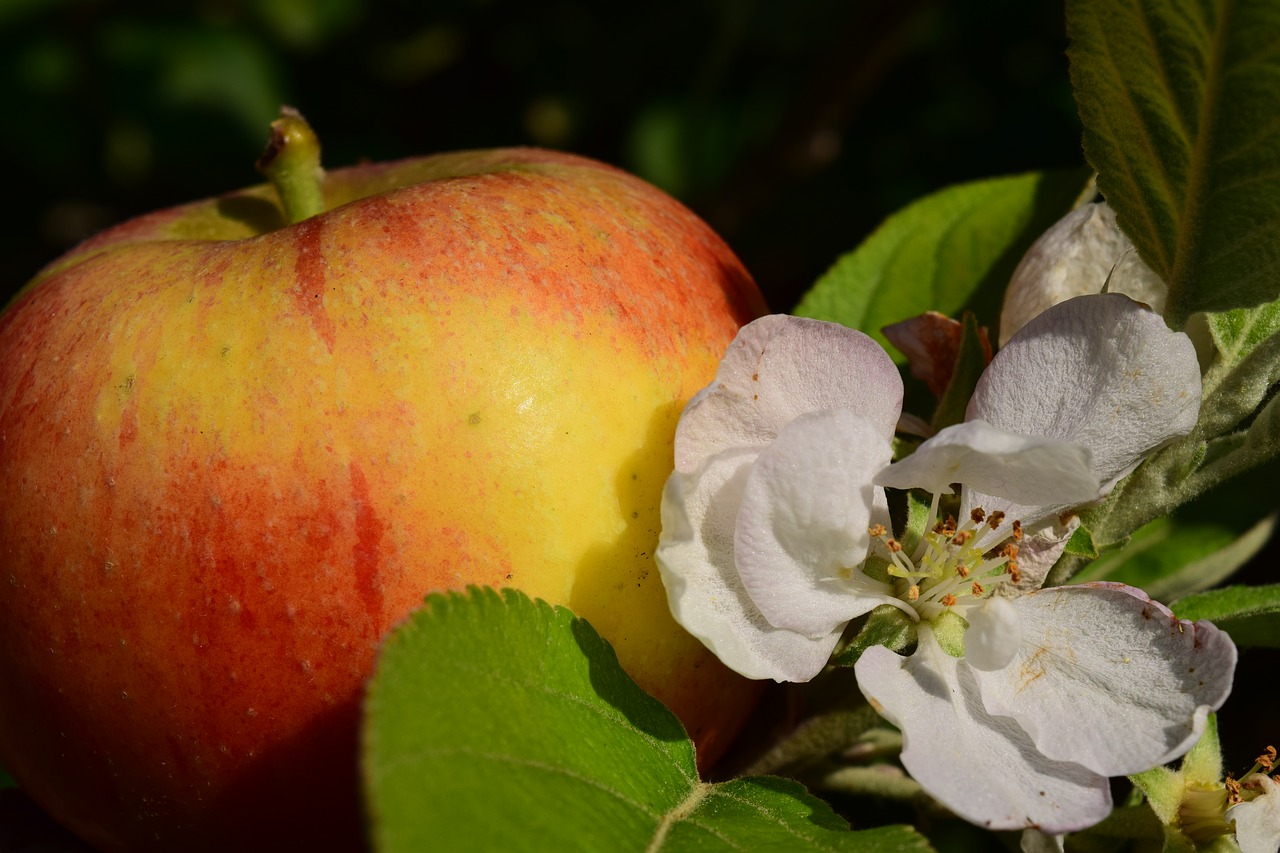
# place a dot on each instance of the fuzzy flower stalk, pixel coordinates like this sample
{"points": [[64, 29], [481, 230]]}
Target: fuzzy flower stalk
{"points": [[1017, 702]]}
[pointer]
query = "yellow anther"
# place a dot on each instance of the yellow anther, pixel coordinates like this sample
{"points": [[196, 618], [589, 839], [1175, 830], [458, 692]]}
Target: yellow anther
{"points": [[877, 530], [913, 593]]}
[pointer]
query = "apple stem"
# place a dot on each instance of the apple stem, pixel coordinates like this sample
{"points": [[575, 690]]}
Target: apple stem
{"points": [[292, 163]]}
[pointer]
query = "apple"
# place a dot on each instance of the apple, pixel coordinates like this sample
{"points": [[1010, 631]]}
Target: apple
{"points": [[235, 451]]}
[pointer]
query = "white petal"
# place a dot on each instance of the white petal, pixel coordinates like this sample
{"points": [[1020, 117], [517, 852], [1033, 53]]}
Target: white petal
{"points": [[1071, 259], [695, 556], [1109, 678], [1258, 821], [802, 528], [1025, 469], [777, 368], [1132, 277], [984, 768], [1035, 841], [994, 634], [1098, 371], [1039, 550]]}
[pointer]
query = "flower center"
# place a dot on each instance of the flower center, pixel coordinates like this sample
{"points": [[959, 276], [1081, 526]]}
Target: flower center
{"points": [[955, 565]]}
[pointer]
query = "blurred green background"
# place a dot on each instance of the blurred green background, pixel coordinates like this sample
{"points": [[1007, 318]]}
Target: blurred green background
{"points": [[793, 127]]}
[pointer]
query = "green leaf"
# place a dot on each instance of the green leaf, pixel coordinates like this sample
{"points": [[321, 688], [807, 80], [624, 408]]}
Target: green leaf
{"points": [[1179, 101], [494, 722], [949, 251], [1250, 614]]}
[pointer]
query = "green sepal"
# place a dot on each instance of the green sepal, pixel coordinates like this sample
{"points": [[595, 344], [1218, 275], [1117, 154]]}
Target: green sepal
{"points": [[971, 361], [949, 628], [885, 626], [913, 531], [1081, 544]]}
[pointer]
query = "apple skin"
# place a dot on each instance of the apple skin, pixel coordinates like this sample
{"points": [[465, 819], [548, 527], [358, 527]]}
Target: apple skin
{"points": [[233, 454]]}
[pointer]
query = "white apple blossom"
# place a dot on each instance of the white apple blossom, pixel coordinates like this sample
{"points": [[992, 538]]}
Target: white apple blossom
{"points": [[777, 500], [1084, 252], [1257, 819]]}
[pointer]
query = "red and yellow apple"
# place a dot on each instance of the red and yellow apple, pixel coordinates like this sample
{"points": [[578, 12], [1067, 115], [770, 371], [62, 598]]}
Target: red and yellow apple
{"points": [[235, 452]]}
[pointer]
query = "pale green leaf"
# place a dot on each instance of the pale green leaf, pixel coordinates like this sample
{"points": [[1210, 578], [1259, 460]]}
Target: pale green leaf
{"points": [[1180, 102], [1250, 614], [496, 723], [1200, 544], [949, 251]]}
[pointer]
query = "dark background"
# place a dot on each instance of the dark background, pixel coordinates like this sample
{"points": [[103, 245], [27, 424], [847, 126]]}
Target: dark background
{"points": [[793, 127]]}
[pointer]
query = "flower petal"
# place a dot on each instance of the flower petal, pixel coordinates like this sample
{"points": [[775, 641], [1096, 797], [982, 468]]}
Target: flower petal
{"points": [[1099, 371], [1258, 821], [1026, 469], [1110, 679], [777, 368], [695, 556], [1072, 258], [982, 767], [802, 529]]}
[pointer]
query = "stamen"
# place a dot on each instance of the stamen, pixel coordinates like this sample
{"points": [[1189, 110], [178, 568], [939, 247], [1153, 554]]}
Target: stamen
{"points": [[893, 545], [962, 538], [995, 520], [877, 530], [913, 593], [947, 600], [1267, 760], [977, 590], [977, 515], [1017, 530]]}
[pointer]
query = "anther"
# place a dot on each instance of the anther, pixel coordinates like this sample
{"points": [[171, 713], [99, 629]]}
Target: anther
{"points": [[1268, 758], [977, 515], [947, 600], [1014, 574], [977, 590], [1017, 529], [877, 530], [913, 593], [962, 538], [893, 545], [996, 519]]}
